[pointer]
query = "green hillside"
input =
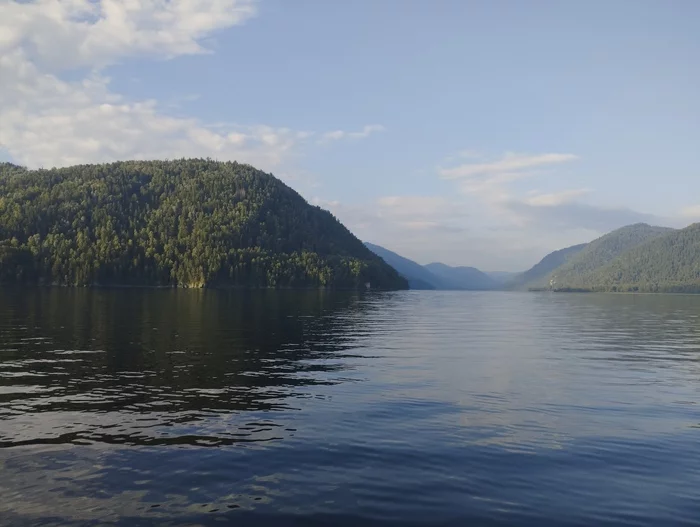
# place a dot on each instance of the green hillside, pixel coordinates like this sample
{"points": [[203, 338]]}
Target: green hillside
{"points": [[667, 263], [578, 272], [462, 278], [191, 223], [537, 277], [418, 277]]}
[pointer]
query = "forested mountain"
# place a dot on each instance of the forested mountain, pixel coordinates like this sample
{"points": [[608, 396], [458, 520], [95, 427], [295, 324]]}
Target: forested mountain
{"points": [[418, 276], [190, 223], [666, 263], [465, 278], [600, 252], [538, 275]]}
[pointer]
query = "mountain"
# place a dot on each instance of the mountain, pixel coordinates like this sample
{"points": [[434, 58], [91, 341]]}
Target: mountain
{"points": [[578, 270], [190, 223], [466, 278], [502, 277], [537, 276], [435, 275], [418, 277], [669, 262]]}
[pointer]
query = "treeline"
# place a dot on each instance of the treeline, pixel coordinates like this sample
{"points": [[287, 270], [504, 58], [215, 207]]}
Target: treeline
{"points": [[635, 259], [192, 223], [669, 263]]}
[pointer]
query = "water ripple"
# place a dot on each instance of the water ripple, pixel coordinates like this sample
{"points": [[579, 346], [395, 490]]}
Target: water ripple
{"points": [[313, 408]]}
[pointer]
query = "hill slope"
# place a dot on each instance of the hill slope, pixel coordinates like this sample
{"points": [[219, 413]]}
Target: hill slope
{"points": [[537, 276], [418, 276], [578, 270], [502, 277], [465, 278], [666, 263], [179, 223]]}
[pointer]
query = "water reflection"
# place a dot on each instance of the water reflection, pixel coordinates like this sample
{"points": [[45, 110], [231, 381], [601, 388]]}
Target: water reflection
{"points": [[164, 367], [288, 408]]}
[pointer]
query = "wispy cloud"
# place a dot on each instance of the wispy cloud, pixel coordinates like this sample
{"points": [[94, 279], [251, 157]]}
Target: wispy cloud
{"points": [[510, 163], [568, 215], [555, 198], [490, 186], [337, 135], [409, 213], [692, 212], [46, 120], [68, 34], [435, 228], [490, 181]]}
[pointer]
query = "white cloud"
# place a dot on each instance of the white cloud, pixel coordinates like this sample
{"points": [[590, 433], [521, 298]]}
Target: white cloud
{"points": [[571, 215], [490, 184], [337, 135], [50, 122], [66, 34], [490, 181], [555, 198], [511, 164], [406, 212], [418, 207], [46, 120], [692, 212], [428, 229]]}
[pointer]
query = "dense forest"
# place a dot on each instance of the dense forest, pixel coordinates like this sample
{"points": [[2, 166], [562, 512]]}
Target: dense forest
{"points": [[636, 258], [580, 271], [188, 223], [665, 264]]}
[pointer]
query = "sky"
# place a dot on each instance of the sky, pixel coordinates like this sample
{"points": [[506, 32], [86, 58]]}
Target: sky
{"points": [[483, 133]]}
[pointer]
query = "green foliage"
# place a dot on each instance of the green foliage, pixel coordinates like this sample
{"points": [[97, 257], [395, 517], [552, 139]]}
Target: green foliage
{"points": [[190, 223], [580, 271], [665, 264], [538, 276]]}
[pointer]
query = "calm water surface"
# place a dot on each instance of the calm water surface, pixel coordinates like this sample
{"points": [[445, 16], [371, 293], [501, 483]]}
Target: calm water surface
{"points": [[288, 408]]}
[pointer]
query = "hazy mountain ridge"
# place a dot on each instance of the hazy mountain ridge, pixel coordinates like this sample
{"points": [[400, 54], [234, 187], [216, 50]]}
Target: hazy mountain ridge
{"points": [[466, 278], [502, 277], [436, 275], [418, 277]]}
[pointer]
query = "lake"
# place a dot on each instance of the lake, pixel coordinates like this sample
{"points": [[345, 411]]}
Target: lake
{"points": [[191, 407]]}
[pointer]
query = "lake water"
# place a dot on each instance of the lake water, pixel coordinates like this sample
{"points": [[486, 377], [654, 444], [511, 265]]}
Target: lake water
{"points": [[163, 407]]}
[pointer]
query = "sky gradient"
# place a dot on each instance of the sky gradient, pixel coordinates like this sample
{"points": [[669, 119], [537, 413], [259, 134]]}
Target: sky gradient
{"points": [[483, 133]]}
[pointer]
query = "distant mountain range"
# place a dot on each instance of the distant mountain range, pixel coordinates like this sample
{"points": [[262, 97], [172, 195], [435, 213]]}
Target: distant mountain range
{"points": [[637, 258], [436, 275], [502, 277], [418, 277], [468, 278], [201, 223]]}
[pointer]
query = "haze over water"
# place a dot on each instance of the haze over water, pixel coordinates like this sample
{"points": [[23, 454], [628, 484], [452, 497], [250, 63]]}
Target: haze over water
{"points": [[172, 407]]}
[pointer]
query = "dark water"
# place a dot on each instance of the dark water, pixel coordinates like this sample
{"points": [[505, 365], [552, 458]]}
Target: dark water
{"points": [[416, 408]]}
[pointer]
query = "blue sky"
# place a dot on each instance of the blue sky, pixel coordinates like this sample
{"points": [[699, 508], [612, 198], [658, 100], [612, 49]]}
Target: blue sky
{"points": [[476, 133]]}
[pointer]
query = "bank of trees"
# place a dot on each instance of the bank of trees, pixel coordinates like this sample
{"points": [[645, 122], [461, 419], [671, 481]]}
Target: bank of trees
{"points": [[187, 223]]}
